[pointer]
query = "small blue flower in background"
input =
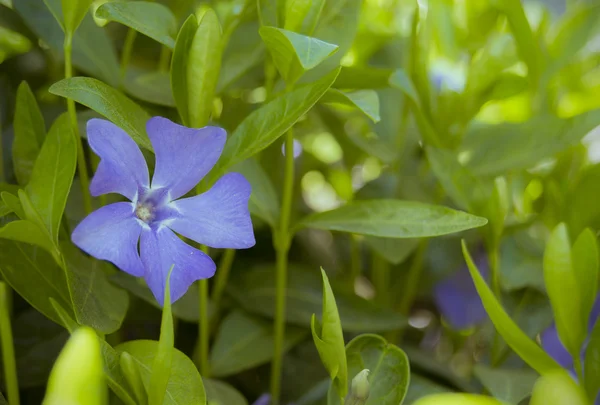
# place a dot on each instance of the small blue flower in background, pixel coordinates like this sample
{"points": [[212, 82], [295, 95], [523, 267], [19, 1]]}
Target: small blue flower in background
{"points": [[218, 218], [554, 347], [264, 399], [457, 300]]}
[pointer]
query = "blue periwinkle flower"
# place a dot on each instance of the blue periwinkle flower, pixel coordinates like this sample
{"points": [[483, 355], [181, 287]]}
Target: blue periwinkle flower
{"points": [[218, 218]]}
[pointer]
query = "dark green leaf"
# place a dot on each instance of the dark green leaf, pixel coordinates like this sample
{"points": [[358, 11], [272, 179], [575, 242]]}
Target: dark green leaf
{"points": [[526, 348], [421, 387], [152, 87], [244, 342], [366, 101], [510, 385], [109, 102], [329, 340], [255, 292], [73, 13], [357, 77], [221, 393], [151, 19], [393, 250], [30, 131], [185, 385], [393, 219], [179, 66]]}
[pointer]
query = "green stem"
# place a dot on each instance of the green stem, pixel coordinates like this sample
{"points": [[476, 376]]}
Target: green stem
{"points": [[204, 328], [222, 276], [163, 61], [81, 165], [8, 353], [126, 54], [493, 257], [380, 273], [282, 246], [355, 261]]}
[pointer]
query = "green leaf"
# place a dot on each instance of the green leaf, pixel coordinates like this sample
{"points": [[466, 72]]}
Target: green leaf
{"points": [[389, 374], [221, 393], [360, 77], [131, 372], [267, 12], [151, 19], [510, 385], [303, 15], [28, 232], [560, 276], [558, 388], [30, 131], [495, 149], [152, 87], [203, 64], [12, 43], [96, 302], [35, 276], [329, 340], [52, 176], [393, 250], [255, 291], [244, 342], [393, 219], [185, 385], [73, 13], [163, 359], [591, 372], [526, 348], [65, 317], [294, 54], [264, 126], [584, 256], [264, 202], [109, 102], [13, 203], [114, 375], [179, 66], [457, 399], [421, 387], [77, 375], [365, 100], [93, 51]]}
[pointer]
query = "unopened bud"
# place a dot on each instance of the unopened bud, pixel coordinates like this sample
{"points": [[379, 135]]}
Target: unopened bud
{"points": [[360, 388]]}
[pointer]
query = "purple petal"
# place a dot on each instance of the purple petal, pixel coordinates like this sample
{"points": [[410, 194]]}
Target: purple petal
{"points": [[183, 155], [160, 249], [457, 299], [554, 347], [112, 233], [218, 218], [122, 167], [264, 399]]}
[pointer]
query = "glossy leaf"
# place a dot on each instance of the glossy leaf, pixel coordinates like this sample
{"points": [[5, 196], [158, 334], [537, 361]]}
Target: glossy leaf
{"points": [[389, 375], [73, 13], [52, 176], [560, 276], [557, 388], [30, 131], [510, 385], [179, 66], [591, 372], [263, 126], [293, 54], [151, 19], [329, 340], [244, 342], [526, 348], [185, 385], [203, 64], [366, 101], [254, 290], [393, 219], [221, 393], [109, 102]]}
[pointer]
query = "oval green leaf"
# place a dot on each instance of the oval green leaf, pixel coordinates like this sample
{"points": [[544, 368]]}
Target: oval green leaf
{"points": [[221, 393]]}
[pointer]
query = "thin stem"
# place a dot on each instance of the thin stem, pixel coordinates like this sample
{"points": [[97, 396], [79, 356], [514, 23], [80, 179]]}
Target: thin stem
{"points": [[126, 54], [222, 276], [8, 352], [282, 246], [493, 257], [355, 261], [203, 324], [164, 59], [81, 165]]}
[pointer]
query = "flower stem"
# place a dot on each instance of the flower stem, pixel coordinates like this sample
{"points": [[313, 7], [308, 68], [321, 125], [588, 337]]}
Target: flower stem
{"points": [[203, 324], [8, 353], [126, 54], [81, 165], [282, 246], [222, 276]]}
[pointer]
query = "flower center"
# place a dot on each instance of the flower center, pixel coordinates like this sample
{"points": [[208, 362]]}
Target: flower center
{"points": [[144, 212], [152, 206]]}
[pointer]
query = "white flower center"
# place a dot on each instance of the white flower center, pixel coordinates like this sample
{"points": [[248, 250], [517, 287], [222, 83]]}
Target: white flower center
{"points": [[144, 212]]}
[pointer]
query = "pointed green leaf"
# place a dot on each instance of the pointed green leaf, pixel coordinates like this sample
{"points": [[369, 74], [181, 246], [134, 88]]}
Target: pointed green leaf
{"points": [[365, 100], [77, 378], [131, 372], [73, 13], [558, 388], [526, 348], [585, 265], [244, 342], [560, 276], [221, 393], [393, 219], [329, 340], [163, 360], [179, 66], [151, 19], [114, 375], [203, 64], [591, 372], [52, 176], [185, 385], [263, 126], [109, 102], [28, 232], [508, 384], [30, 131], [294, 54], [13, 203]]}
